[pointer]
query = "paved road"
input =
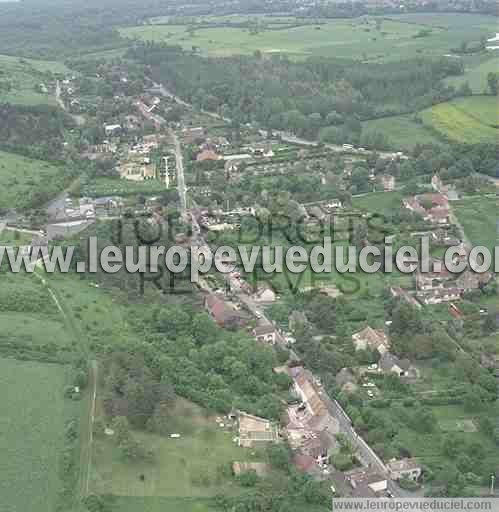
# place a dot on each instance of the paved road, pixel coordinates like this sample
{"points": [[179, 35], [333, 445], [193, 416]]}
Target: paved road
{"points": [[293, 139], [168, 94], [182, 191]]}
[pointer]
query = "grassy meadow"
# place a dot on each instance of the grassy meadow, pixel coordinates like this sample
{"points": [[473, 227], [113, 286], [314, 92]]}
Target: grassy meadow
{"points": [[478, 216], [189, 467], [24, 76], [366, 38], [484, 109], [30, 322], [94, 315], [32, 425], [161, 504], [471, 119], [402, 131], [476, 71], [24, 181]]}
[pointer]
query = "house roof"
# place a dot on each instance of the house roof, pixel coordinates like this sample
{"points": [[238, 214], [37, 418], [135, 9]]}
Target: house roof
{"points": [[374, 338], [207, 154], [261, 330], [388, 361], [314, 400], [219, 309], [403, 465], [263, 290], [364, 477], [436, 199], [439, 213]]}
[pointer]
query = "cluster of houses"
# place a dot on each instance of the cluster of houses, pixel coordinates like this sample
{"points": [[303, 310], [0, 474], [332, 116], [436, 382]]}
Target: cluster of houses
{"points": [[376, 340], [440, 285], [224, 313], [310, 427], [231, 316], [137, 164], [220, 220], [432, 207], [367, 483]]}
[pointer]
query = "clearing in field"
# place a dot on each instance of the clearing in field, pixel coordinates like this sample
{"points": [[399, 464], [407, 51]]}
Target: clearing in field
{"points": [[402, 132], [464, 121], [32, 429], [188, 467], [367, 38], [20, 80], [25, 182]]}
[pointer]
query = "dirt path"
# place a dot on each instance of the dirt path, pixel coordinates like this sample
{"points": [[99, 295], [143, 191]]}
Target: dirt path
{"points": [[87, 436], [88, 416]]}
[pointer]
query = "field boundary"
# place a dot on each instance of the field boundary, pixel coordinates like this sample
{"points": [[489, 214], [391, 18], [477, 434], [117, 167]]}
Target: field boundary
{"points": [[473, 116], [86, 432]]}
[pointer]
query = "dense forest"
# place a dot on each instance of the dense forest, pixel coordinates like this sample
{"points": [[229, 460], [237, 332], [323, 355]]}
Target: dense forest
{"points": [[35, 132], [59, 29], [300, 97]]}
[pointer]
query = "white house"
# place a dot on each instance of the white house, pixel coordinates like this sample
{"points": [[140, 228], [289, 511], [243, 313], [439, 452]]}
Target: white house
{"points": [[405, 468], [112, 129], [265, 334]]}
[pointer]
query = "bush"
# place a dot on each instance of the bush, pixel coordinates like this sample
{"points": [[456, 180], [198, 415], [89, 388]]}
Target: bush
{"points": [[342, 462], [248, 478], [408, 484]]}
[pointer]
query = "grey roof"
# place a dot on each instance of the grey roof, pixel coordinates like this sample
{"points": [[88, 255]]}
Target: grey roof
{"points": [[388, 361]]}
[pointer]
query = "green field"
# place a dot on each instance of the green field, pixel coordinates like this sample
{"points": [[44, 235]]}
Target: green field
{"points": [[25, 182], [478, 216], [466, 120], [96, 318], [357, 39], [476, 72], [471, 119], [30, 322], [24, 75], [378, 202], [402, 131], [189, 467], [150, 504], [484, 109], [32, 424]]}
